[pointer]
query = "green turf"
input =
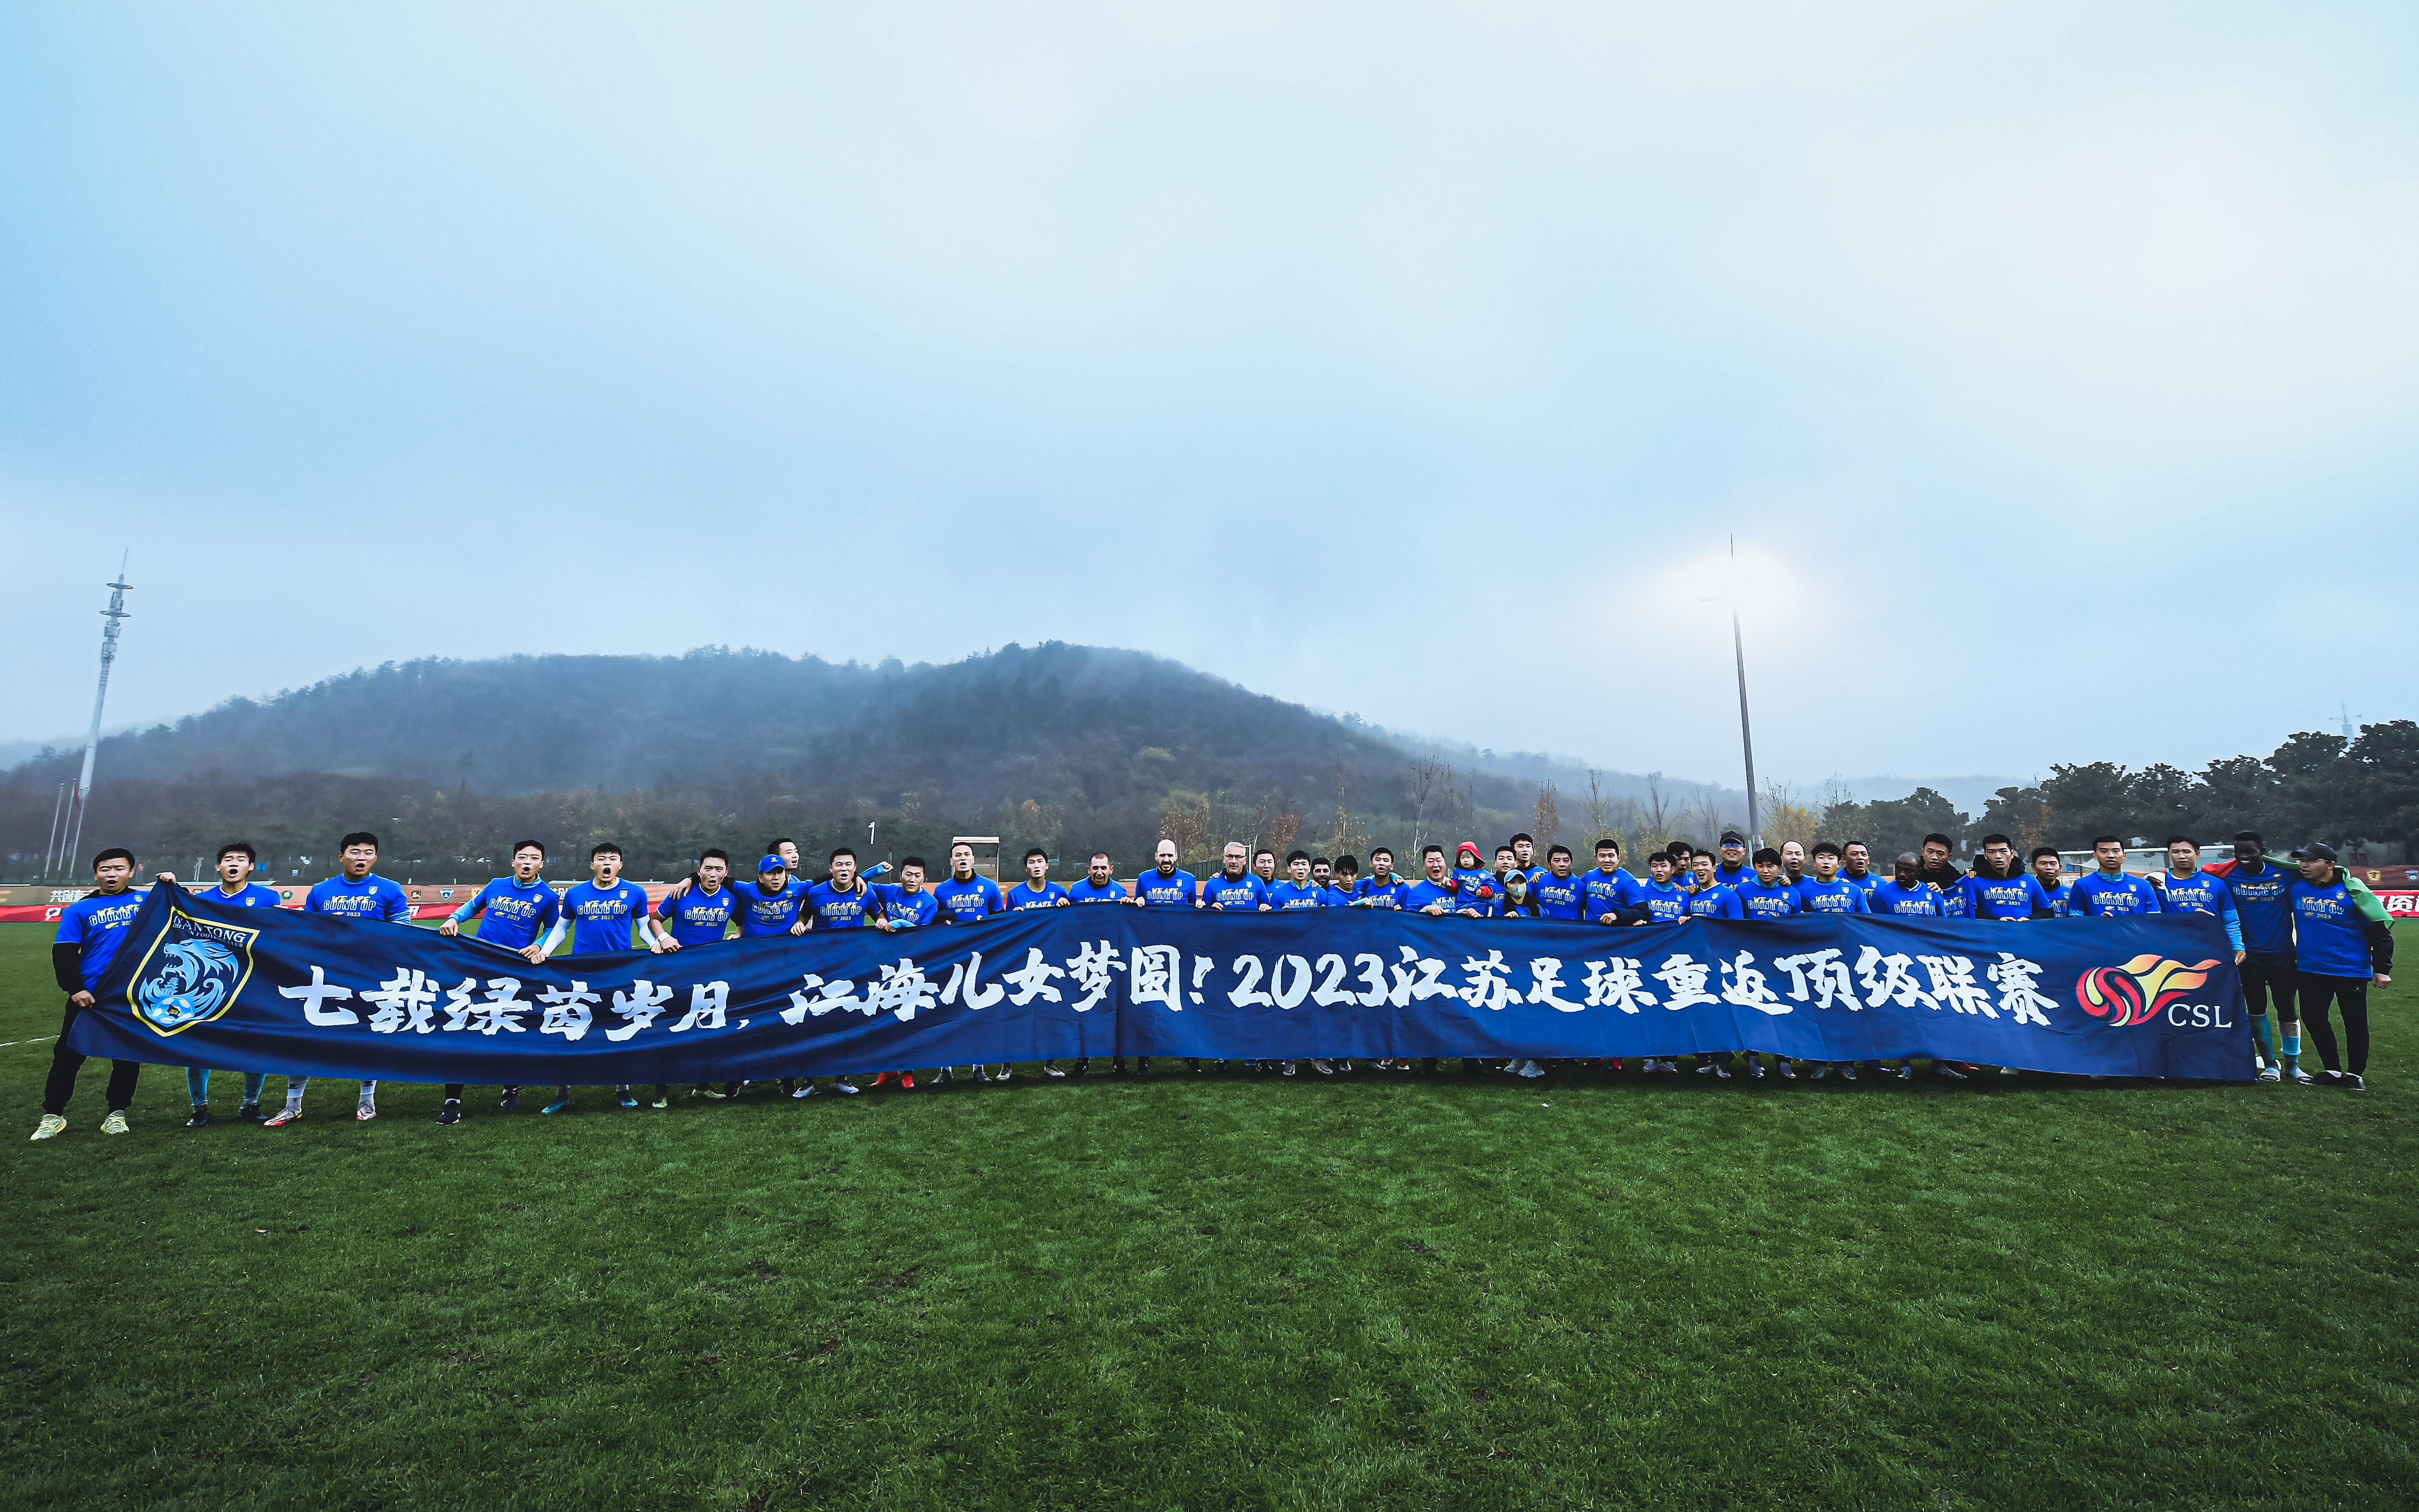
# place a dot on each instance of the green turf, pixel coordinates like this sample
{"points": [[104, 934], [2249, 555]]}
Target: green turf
{"points": [[1391, 1291]]}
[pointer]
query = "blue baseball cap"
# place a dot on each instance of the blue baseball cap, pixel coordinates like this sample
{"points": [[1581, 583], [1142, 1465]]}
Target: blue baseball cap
{"points": [[772, 863]]}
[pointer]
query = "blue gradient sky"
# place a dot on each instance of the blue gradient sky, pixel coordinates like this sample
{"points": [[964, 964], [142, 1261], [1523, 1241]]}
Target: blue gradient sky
{"points": [[1414, 361]]}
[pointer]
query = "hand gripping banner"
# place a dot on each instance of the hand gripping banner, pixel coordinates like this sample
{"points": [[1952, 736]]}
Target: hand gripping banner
{"points": [[201, 984]]}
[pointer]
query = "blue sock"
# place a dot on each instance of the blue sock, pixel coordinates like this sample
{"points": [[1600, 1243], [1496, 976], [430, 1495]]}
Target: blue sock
{"points": [[2292, 1047], [252, 1084], [197, 1085], [2259, 1037]]}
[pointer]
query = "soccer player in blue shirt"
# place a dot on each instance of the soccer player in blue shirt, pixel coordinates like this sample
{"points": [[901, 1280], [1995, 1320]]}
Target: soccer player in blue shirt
{"points": [[234, 889], [1296, 890], [1665, 901], [354, 892], [702, 915], [1035, 891], [1264, 866], [907, 904], [1560, 892], [1713, 899], [1856, 866], [1997, 888], [1166, 885], [1100, 884], [2341, 954], [2049, 869], [1769, 893], [1381, 889], [2263, 901], [780, 904], [89, 934], [844, 900], [1609, 894], [2185, 889], [1293, 893], [602, 913], [1904, 896], [2111, 890], [1435, 893], [1826, 891], [965, 898], [1234, 890], [1342, 881], [1731, 868], [1907, 895], [517, 913], [600, 916]]}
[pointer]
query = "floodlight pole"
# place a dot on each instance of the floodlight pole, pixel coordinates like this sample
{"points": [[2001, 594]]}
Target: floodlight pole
{"points": [[50, 849], [113, 614], [1747, 735]]}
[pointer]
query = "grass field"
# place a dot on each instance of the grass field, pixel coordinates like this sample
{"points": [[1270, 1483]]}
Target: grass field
{"points": [[1399, 1291]]}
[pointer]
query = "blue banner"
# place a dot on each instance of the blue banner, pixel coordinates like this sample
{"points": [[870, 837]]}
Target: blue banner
{"points": [[203, 984]]}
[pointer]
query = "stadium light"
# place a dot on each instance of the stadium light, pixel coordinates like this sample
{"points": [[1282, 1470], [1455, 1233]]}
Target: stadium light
{"points": [[1746, 734]]}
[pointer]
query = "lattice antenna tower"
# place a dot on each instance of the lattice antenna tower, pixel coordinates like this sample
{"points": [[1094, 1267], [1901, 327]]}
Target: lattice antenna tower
{"points": [[116, 615]]}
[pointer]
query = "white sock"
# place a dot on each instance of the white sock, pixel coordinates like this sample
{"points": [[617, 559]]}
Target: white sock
{"points": [[294, 1094], [369, 1094]]}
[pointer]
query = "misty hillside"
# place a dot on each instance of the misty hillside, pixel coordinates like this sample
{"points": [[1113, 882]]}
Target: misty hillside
{"points": [[1052, 745]]}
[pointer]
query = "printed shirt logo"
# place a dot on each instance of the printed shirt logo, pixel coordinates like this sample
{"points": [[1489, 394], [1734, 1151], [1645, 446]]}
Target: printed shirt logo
{"points": [[2138, 991], [192, 973]]}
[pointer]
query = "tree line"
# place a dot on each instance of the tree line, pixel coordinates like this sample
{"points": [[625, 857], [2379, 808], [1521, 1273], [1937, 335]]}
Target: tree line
{"points": [[2314, 786]]}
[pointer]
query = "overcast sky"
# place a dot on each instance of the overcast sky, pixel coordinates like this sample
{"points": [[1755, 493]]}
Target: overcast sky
{"points": [[1410, 361]]}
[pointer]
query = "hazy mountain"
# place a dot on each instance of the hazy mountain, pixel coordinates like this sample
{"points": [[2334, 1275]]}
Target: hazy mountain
{"points": [[1059, 745]]}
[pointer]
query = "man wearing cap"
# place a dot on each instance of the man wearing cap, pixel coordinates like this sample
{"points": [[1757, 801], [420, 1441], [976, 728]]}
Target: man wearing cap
{"points": [[775, 903], [2340, 951], [2263, 901], [1731, 868]]}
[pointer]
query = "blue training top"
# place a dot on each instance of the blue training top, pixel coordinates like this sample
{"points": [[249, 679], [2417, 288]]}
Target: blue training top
{"points": [[372, 897], [602, 918], [977, 897], [509, 914], [2201, 893], [2096, 893], [97, 923]]}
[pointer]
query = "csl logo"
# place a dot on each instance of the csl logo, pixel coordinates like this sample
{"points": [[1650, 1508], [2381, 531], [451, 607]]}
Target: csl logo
{"points": [[2138, 991]]}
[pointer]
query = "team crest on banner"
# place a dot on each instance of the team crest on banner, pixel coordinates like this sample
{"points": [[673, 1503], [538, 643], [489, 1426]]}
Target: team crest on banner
{"points": [[192, 973], [2137, 992]]}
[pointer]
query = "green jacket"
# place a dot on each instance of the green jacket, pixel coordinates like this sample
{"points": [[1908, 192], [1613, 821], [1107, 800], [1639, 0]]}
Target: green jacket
{"points": [[2372, 907]]}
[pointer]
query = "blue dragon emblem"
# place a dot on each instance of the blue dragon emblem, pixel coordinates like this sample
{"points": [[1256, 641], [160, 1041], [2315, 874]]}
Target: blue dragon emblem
{"points": [[193, 982]]}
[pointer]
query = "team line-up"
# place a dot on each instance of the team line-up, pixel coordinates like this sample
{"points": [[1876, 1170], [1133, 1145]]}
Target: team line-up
{"points": [[2305, 935]]}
